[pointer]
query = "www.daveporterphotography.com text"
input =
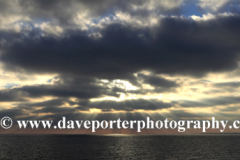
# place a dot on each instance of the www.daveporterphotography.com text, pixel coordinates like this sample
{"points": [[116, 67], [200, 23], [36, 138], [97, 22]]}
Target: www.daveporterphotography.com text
{"points": [[138, 125]]}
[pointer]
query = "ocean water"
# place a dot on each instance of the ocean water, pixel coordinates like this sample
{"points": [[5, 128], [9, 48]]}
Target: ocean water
{"points": [[119, 147]]}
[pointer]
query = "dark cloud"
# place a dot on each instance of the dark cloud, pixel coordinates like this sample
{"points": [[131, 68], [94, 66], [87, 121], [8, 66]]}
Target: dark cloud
{"points": [[7, 95], [193, 104], [160, 84], [179, 46], [210, 102], [65, 106], [230, 109], [13, 112], [223, 100], [82, 88], [233, 85], [48, 104]]}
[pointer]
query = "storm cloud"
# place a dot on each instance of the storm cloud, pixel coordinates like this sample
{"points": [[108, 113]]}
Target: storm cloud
{"points": [[179, 46]]}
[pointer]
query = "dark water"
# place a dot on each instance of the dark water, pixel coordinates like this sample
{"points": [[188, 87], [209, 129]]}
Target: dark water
{"points": [[119, 147]]}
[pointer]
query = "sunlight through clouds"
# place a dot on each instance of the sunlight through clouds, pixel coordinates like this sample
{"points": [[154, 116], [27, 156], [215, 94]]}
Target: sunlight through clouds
{"points": [[96, 59]]}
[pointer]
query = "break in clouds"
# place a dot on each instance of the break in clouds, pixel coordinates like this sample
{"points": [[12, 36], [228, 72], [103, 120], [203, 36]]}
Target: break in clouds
{"points": [[99, 59]]}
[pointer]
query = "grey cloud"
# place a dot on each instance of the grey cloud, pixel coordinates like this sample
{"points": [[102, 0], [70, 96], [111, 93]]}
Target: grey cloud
{"points": [[228, 84], [159, 83], [210, 102], [7, 95], [65, 12], [230, 109], [58, 106], [12, 112], [179, 46], [231, 6], [187, 103], [82, 88]]}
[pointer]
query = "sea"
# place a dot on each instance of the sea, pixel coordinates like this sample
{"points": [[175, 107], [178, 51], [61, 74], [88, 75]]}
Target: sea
{"points": [[159, 147]]}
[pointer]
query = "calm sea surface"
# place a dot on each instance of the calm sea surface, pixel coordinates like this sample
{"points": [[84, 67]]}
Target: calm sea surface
{"points": [[119, 147]]}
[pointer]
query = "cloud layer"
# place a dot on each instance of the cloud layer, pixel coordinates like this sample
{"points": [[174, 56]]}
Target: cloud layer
{"points": [[173, 58]]}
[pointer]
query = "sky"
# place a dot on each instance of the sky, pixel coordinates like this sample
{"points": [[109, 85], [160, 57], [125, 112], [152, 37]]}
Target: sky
{"points": [[110, 59]]}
